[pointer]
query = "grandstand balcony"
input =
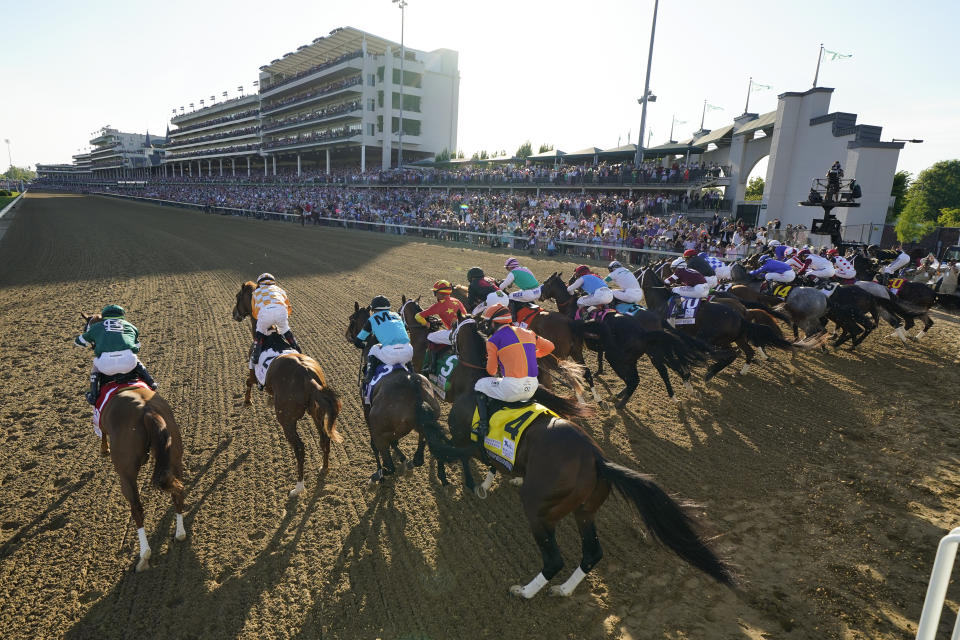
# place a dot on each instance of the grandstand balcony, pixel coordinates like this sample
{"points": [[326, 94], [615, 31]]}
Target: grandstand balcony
{"points": [[341, 88], [218, 140], [346, 64], [304, 142], [351, 112], [246, 118], [213, 153]]}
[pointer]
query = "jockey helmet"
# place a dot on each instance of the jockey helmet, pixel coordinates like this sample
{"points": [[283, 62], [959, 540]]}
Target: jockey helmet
{"points": [[873, 248], [112, 311], [763, 259], [614, 265], [789, 251], [475, 273], [442, 286], [265, 277], [689, 253], [803, 253], [679, 262], [511, 264], [773, 243], [498, 313], [833, 252], [379, 303], [582, 270]]}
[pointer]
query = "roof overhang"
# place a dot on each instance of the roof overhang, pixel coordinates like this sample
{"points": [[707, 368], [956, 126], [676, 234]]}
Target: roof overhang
{"points": [[340, 41]]}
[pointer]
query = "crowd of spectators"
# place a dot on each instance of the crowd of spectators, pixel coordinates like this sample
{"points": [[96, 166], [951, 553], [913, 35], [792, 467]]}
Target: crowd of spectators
{"points": [[320, 67], [214, 136], [313, 136], [236, 148], [315, 114], [207, 123], [330, 87]]}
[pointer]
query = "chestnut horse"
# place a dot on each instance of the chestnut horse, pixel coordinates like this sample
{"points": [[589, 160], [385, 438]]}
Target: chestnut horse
{"points": [[297, 385], [564, 471], [135, 422]]}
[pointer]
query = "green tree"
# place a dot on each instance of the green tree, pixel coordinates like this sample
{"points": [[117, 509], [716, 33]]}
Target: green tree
{"points": [[912, 225], [949, 217], [460, 155], [483, 154], [545, 147], [901, 182], [475, 156], [934, 189], [443, 156], [19, 173], [525, 150], [754, 189]]}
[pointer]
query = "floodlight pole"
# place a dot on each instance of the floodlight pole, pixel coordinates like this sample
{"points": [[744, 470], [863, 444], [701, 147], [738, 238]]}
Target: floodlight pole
{"points": [[403, 54], [646, 89]]}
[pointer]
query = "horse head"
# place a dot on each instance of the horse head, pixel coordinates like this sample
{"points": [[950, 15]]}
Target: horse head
{"points": [[467, 342], [244, 305], [356, 321], [410, 307], [553, 287], [89, 320]]}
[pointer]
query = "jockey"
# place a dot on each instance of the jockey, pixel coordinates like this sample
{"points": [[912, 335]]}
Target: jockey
{"points": [[629, 290], [480, 289], [898, 257], [598, 293], [774, 270], [701, 266], [526, 283], [845, 270], [512, 352], [721, 268], [446, 309], [393, 343], [819, 268], [692, 283], [271, 307], [115, 345]]}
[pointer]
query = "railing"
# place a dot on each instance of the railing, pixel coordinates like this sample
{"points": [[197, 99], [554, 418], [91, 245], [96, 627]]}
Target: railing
{"points": [[315, 94], [312, 117], [236, 133], [213, 152], [215, 121], [937, 588], [325, 136]]}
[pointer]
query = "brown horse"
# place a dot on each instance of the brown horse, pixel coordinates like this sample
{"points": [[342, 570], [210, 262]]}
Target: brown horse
{"points": [[135, 422], [564, 471], [400, 402], [296, 385]]}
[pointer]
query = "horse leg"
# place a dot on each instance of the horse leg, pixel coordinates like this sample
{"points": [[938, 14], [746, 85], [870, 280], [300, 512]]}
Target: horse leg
{"points": [[927, 323], [600, 361], [723, 360], [546, 538], [481, 491], [628, 373], [128, 486], [591, 552], [418, 454], [251, 378], [379, 473], [404, 467], [747, 352], [104, 444], [290, 432], [576, 354]]}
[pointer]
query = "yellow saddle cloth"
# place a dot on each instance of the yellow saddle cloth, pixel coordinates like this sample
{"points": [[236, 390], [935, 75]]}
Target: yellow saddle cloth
{"points": [[506, 427]]}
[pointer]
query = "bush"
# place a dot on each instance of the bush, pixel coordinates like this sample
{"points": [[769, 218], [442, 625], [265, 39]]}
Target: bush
{"points": [[4, 192]]}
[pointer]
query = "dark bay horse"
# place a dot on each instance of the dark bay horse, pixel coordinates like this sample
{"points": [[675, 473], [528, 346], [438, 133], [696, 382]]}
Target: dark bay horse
{"points": [[564, 471], [296, 385], [912, 300], [399, 404], [133, 423]]}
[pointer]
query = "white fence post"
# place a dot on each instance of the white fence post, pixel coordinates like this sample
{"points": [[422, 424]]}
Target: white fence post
{"points": [[937, 589]]}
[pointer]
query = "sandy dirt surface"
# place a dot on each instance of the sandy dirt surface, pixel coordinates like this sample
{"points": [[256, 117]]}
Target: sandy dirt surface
{"points": [[829, 495]]}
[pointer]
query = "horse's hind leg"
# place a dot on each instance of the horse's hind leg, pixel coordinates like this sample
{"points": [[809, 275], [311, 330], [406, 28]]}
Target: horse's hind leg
{"points": [[128, 485], [546, 538], [418, 454], [251, 378], [290, 431], [591, 552], [748, 352], [404, 467]]}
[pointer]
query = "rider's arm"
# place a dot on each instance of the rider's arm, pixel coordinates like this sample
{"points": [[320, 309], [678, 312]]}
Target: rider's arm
{"points": [[576, 285], [366, 331], [544, 347], [492, 359], [507, 281]]}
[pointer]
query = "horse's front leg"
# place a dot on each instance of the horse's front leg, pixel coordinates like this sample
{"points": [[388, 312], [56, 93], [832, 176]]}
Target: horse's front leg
{"points": [[251, 379]]}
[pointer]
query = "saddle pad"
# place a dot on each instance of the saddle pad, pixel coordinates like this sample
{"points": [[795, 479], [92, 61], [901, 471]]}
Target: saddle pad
{"points": [[894, 285], [107, 391], [506, 427], [780, 290], [446, 364], [726, 286], [383, 370], [829, 289], [627, 308], [527, 314], [267, 356]]}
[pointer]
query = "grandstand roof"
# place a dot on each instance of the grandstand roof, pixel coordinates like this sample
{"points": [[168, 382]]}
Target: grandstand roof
{"points": [[715, 136], [766, 121], [552, 154], [340, 41], [583, 153], [675, 147]]}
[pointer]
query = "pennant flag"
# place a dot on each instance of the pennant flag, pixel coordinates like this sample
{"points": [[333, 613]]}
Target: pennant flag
{"points": [[224, 94], [837, 56], [756, 86], [191, 105], [711, 107], [240, 88]]}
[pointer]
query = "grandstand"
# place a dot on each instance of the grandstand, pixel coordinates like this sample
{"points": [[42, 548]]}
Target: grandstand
{"points": [[116, 154], [215, 139]]}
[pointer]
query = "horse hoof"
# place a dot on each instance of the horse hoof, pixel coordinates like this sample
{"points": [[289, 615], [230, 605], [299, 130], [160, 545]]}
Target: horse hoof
{"points": [[295, 492], [517, 590], [480, 492], [144, 562], [410, 465], [558, 592], [676, 399], [517, 482], [181, 536]]}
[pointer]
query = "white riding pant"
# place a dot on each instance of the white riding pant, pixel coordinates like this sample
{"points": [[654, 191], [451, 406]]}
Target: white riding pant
{"points": [[507, 389], [111, 363], [274, 314], [846, 274], [494, 297], [723, 273], [901, 261], [439, 337], [786, 276], [696, 291], [711, 281], [826, 273], [392, 353], [526, 295], [603, 295], [628, 295]]}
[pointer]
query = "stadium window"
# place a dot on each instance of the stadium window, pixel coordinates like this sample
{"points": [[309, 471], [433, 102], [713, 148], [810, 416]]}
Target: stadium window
{"points": [[370, 129], [371, 104], [372, 79]]}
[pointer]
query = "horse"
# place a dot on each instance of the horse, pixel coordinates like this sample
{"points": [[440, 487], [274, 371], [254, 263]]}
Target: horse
{"points": [[805, 306], [564, 471], [716, 324], [296, 385], [913, 299], [625, 339], [400, 402], [133, 423]]}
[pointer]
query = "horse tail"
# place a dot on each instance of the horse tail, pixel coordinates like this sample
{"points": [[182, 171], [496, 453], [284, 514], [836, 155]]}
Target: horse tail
{"points": [[160, 441], [767, 309], [667, 519], [567, 408], [324, 401], [428, 425], [761, 335], [671, 349], [893, 306]]}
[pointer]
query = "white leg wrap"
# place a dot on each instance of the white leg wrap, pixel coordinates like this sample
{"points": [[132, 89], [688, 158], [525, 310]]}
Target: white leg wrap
{"points": [[746, 369], [532, 589], [298, 490], [901, 333], [596, 396], [488, 481], [144, 550], [762, 354], [567, 587], [517, 482], [181, 532]]}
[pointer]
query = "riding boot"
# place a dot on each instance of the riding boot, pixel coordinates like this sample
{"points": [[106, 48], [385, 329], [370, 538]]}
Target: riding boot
{"points": [[372, 363], [288, 336], [258, 342], [483, 418], [94, 391], [429, 359], [141, 372]]}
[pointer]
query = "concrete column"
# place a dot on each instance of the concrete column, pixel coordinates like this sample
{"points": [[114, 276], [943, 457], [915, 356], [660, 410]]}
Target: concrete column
{"points": [[248, 166], [221, 167], [363, 157], [298, 165], [209, 167], [328, 161], [274, 165], [264, 166], [386, 136], [233, 167], [190, 168]]}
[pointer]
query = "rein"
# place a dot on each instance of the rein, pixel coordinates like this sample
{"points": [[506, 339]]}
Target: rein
{"points": [[453, 342]]}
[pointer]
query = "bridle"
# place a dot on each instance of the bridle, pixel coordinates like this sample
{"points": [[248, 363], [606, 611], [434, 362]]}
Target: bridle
{"points": [[403, 308], [453, 343]]}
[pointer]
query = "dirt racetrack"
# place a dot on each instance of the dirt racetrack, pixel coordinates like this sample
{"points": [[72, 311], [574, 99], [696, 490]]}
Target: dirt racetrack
{"points": [[829, 495]]}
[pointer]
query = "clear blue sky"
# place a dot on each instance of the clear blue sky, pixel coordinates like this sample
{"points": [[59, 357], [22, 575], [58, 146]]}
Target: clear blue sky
{"points": [[566, 73]]}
